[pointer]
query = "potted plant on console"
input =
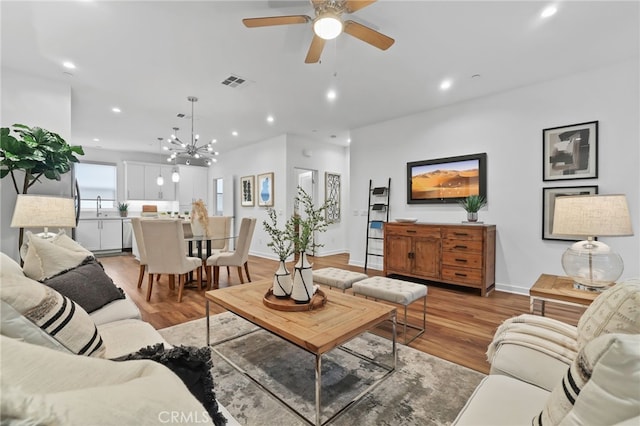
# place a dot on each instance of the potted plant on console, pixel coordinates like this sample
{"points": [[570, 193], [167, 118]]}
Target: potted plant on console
{"points": [[472, 204]]}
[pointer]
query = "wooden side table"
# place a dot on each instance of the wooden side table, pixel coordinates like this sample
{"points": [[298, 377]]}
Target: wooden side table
{"points": [[553, 288]]}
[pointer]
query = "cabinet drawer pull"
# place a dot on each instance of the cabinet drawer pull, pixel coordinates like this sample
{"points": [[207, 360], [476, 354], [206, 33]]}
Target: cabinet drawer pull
{"points": [[461, 247], [460, 234], [461, 260], [411, 231], [458, 274]]}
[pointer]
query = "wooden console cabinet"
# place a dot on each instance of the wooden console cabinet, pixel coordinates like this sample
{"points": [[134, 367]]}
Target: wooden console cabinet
{"points": [[454, 254]]}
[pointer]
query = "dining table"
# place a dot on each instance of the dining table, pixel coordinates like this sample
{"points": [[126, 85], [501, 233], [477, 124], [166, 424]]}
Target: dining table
{"points": [[206, 241]]}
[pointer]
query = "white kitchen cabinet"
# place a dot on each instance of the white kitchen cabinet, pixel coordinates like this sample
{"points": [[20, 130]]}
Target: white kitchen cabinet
{"points": [[193, 185], [100, 234], [134, 180], [141, 182]]}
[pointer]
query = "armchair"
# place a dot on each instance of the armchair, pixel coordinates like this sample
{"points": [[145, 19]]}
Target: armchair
{"points": [[545, 372]]}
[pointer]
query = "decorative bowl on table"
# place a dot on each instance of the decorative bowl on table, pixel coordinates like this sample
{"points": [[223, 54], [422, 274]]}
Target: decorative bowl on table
{"points": [[406, 219]]}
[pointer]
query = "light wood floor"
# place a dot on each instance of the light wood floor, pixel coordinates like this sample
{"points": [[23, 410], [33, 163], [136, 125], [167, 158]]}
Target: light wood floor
{"points": [[460, 323]]}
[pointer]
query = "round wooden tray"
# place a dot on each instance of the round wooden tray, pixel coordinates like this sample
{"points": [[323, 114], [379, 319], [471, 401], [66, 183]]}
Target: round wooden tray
{"points": [[318, 300]]}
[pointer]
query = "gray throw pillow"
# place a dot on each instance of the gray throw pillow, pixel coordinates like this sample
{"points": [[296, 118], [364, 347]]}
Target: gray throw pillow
{"points": [[87, 285]]}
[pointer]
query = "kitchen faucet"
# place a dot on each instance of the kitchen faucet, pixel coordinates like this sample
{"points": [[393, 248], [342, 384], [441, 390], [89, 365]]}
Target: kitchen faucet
{"points": [[98, 205]]}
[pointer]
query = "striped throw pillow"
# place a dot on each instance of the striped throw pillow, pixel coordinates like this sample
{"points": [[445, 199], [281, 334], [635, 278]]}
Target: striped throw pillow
{"points": [[600, 387], [57, 315]]}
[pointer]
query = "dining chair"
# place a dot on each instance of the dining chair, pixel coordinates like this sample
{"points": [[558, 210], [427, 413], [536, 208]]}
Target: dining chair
{"points": [[220, 230], [142, 251], [239, 257], [164, 243]]}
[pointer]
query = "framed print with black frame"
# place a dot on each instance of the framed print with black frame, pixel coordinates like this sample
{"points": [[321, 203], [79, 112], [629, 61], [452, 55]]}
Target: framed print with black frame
{"points": [[247, 191], [265, 190], [549, 196], [570, 152]]}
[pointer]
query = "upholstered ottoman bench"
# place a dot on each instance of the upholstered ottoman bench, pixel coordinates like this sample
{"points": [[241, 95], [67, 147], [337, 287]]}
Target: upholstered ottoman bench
{"points": [[396, 291], [338, 278]]}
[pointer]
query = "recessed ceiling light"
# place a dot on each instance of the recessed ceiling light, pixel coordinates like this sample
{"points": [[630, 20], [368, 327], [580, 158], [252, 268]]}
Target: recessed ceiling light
{"points": [[331, 94], [234, 133], [270, 119], [214, 140], [96, 140], [69, 65], [446, 84], [349, 140], [116, 109], [548, 11]]}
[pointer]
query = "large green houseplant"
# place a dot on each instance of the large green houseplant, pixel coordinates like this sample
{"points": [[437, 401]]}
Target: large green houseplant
{"points": [[36, 152]]}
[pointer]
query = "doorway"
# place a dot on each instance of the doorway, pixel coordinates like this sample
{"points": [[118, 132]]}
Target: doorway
{"points": [[305, 179]]}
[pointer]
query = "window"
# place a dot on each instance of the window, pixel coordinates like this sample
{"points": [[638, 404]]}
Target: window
{"points": [[218, 184], [97, 180]]}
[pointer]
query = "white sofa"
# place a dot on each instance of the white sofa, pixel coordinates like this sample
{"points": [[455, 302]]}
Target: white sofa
{"points": [[46, 382], [545, 372]]}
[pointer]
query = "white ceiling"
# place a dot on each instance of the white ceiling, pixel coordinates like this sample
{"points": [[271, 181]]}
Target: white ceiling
{"points": [[146, 57]]}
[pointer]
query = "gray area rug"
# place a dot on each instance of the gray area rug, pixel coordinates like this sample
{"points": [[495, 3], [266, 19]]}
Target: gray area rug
{"points": [[424, 390]]}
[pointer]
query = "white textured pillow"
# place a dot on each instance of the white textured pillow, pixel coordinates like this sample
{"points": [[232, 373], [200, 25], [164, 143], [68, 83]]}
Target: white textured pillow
{"points": [[57, 315], [46, 258], [601, 387], [616, 310], [63, 240], [64, 389]]}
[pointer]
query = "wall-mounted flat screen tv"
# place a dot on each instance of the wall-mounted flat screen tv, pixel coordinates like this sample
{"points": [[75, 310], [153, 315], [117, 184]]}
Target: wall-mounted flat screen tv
{"points": [[446, 180]]}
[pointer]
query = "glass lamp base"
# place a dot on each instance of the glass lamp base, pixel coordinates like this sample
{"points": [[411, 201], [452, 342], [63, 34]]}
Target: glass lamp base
{"points": [[579, 286], [592, 265]]}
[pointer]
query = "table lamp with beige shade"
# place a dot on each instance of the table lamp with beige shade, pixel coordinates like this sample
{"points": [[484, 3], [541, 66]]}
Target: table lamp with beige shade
{"points": [[592, 264], [40, 211]]}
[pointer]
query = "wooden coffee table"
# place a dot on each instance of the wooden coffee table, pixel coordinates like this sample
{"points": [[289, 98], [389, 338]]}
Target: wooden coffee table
{"points": [[553, 288], [318, 331]]}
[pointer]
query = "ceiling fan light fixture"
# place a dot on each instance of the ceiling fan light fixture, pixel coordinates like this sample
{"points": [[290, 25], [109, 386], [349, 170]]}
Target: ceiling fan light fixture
{"points": [[328, 26]]}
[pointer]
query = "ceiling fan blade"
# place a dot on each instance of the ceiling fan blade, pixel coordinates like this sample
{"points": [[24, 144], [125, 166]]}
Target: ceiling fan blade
{"points": [[275, 20], [368, 35], [315, 50], [353, 5]]}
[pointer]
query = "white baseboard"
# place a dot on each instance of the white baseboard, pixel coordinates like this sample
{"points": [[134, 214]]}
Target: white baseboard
{"points": [[515, 289]]}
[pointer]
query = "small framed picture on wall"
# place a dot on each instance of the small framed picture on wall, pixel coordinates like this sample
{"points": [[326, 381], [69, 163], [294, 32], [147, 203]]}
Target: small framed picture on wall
{"points": [[570, 152], [247, 191], [265, 190], [549, 196]]}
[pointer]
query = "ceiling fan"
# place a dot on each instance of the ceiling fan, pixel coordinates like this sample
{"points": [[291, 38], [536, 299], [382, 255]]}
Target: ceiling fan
{"points": [[328, 24]]}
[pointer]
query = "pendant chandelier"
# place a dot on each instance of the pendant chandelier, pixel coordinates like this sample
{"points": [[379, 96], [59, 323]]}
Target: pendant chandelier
{"points": [[190, 150]]}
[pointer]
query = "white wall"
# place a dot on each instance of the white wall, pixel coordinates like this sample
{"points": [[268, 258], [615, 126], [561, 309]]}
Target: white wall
{"points": [[32, 102], [263, 157], [280, 155], [323, 158], [508, 127]]}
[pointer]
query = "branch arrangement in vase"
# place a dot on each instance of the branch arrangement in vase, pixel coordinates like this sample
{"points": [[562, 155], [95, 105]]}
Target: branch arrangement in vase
{"points": [[281, 242], [315, 220], [199, 212]]}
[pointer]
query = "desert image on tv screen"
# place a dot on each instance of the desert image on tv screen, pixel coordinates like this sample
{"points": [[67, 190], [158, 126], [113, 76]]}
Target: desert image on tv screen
{"points": [[449, 180]]}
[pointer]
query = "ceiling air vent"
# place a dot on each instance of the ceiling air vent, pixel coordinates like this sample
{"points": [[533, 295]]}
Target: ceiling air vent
{"points": [[234, 81]]}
